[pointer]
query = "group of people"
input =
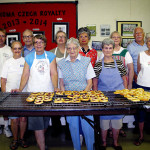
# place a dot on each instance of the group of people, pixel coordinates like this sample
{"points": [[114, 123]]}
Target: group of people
{"points": [[73, 66]]}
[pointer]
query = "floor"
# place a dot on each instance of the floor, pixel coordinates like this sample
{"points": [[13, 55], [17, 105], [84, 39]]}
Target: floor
{"points": [[60, 143]]}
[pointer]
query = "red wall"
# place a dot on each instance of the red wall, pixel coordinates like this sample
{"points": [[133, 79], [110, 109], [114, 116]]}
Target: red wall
{"points": [[38, 17]]}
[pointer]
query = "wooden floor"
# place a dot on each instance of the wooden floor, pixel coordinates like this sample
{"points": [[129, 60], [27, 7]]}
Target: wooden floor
{"points": [[60, 143]]}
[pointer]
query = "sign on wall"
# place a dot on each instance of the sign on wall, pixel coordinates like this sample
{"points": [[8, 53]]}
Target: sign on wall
{"points": [[39, 17]]}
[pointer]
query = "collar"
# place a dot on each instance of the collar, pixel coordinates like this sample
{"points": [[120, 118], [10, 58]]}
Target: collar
{"points": [[68, 58], [83, 50], [136, 44], [25, 48]]}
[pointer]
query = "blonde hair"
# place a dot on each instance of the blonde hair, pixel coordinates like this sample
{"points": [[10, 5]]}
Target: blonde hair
{"points": [[13, 43], [117, 33]]}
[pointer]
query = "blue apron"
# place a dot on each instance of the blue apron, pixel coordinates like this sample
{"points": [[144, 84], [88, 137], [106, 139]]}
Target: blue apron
{"points": [[110, 80]]}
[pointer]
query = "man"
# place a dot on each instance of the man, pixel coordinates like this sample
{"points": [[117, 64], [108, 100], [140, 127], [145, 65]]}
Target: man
{"points": [[135, 48], [5, 53], [28, 40], [40, 75]]}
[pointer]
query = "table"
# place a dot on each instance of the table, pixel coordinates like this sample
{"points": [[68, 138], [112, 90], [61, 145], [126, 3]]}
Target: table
{"points": [[16, 105]]}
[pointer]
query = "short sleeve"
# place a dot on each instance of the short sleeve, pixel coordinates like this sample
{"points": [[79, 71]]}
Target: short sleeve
{"points": [[60, 75], [98, 69], [5, 70], [90, 72], [50, 56], [121, 68], [29, 59], [128, 58]]}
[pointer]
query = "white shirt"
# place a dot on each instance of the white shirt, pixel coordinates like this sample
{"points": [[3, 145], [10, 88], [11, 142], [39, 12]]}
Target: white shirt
{"points": [[143, 78], [5, 53], [12, 71], [90, 71]]}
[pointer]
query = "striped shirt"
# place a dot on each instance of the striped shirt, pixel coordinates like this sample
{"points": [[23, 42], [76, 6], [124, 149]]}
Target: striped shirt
{"points": [[121, 68]]}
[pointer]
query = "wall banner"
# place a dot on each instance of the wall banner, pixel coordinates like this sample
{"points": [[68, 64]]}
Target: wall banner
{"points": [[39, 17]]}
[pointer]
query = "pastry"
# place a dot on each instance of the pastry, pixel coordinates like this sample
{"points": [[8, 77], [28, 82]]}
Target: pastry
{"points": [[70, 96], [104, 99], [76, 100], [38, 102], [94, 99], [60, 93], [39, 97], [30, 98], [47, 98], [67, 100], [58, 100], [68, 92], [51, 94], [84, 97]]}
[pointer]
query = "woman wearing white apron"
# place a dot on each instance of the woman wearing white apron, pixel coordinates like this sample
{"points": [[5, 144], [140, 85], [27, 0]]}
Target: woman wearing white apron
{"points": [[40, 75], [60, 52]]}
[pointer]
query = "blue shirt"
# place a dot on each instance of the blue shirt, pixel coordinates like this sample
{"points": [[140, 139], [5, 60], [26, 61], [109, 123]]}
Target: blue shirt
{"points": [[30, 58], [134, 50], [26, 51]]}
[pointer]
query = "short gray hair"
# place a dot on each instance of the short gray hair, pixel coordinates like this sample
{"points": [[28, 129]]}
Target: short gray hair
{"points": [[108, 41], [138, 28], [74, 41], [84, 30], [147, 37]]}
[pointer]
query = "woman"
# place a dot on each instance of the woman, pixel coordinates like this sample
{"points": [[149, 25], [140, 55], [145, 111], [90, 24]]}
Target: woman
{"points": [[84, 36], [143, 81], [60, 52], [122, 54], [10, 79], [40, 75], [110, 76], [76, 73]]}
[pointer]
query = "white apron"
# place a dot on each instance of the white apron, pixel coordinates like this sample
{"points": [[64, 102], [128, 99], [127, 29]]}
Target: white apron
{"points": [[58, 59], [39, 79]]}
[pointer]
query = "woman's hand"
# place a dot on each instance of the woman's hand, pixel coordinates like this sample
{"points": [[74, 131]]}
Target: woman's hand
{"points": [[15, 90], [56, 89]]}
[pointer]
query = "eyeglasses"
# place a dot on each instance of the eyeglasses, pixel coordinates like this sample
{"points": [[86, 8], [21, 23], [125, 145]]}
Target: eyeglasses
{"points": [[29, 36], [72, 48], [61, 37], [115, 37], [40, 43], [108, 48], [20, 48], [2, 36]]}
